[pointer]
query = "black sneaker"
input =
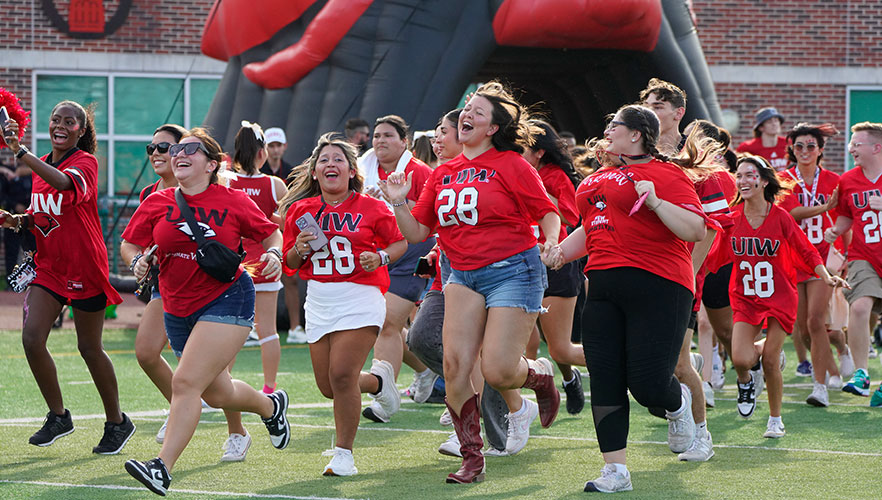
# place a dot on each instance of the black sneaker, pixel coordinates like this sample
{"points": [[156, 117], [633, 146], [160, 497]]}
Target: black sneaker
{"points": [[746, 398], [277, 425], [115, 436], [54, 427], [151, 473], [575, 396]]}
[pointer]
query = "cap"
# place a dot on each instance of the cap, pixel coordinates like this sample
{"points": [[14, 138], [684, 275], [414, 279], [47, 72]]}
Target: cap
{"points": [[275, 134], [764, 114]]}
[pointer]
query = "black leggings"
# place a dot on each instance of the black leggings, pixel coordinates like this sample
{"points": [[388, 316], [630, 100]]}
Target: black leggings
{"points": [[632, 333]]}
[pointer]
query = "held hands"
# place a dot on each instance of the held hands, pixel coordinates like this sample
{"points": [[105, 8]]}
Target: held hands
{"points": [[396, 187], [647, 187], [551, 255], [273, 268], [370, 261]]}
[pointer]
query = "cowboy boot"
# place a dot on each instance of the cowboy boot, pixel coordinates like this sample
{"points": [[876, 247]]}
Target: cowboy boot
{"points": [[540, 378], [468, 429]]}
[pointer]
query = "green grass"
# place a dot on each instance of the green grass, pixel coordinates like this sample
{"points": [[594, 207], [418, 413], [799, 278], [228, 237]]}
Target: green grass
{"points": [[827, 453]]}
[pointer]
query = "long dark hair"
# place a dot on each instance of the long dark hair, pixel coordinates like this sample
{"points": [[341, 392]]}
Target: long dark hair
{"points": [[555, 150], [305, 186], [773, 189], [172, 128], [820, 132], [514, 133], [86, 116], [248, 143]]}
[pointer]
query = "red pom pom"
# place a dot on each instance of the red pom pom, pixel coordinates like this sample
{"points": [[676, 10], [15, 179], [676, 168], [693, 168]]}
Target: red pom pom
{"points": [[13, 107]]}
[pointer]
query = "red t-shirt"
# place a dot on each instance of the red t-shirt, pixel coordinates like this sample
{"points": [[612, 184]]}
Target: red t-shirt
{"points": [[229, 215], [71, 258], [615, 239], [262, 190], [765, 260], [776, 155], [359, 224], [854, 192], [559, 185], [801, 196], [148, 190], [714, 195], [483, 208], [421, 172]]}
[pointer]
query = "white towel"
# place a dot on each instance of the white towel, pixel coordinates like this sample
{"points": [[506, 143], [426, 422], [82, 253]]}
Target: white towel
{"points": [[369, 167]]}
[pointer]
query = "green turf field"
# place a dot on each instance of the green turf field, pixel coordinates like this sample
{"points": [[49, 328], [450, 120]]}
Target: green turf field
{"points": [[827, 453]]}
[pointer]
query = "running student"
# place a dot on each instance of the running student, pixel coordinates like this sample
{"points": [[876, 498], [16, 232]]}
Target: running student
{"points": [[641, 277], [860, 208], [206, 319], [72, 269], [482, 203], [813, 205], [767, 248], [346, 280]]}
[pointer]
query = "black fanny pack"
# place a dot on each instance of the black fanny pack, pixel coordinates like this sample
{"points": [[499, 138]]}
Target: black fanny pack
{"points": [[213, 257]]}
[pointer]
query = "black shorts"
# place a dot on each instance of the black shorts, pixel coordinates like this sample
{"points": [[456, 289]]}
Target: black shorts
{"points": [[408, 287], [92, 304], [715, 294], [566, 281]]}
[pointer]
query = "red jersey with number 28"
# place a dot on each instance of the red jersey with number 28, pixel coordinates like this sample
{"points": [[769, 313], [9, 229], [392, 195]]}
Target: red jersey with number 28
{"points": [[262, 190], [71, 257], [801, 196], [854, 202], [359, 224], [765, 260], [225, 215], [483, 208]]}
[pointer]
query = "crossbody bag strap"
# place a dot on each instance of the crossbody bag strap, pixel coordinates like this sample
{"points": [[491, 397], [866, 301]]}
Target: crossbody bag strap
{"points": [[187, 212]]}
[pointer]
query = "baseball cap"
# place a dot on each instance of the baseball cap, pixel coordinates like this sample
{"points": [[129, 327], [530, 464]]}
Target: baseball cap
{"points": [[764, 114], [275, 134]]}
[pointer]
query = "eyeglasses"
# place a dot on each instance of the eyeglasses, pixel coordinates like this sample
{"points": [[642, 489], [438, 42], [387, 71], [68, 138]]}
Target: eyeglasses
{"points": [[162, 147], [189, 149], [806, 147]]}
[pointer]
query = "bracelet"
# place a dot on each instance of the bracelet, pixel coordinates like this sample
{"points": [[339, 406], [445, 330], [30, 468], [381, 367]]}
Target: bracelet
{"points": [[384, 258], [400, 204], [302, 256], [135, 262], [275, 251], [22, 150], [660, 201]]}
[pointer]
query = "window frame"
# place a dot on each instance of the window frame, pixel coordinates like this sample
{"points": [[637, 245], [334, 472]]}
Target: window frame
{"points": [[848, 161]]}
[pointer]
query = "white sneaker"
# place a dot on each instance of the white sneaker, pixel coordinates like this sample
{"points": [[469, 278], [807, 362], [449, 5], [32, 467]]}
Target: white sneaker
{"points": [[493, 452], [718, 378], [846, 364], [708, 394], [388, 401], [342, 464], [253, 340], [681, 429], [782, 360], [451, 446], [818, 397], [446, 420], [236, 447], [697, 361], [160, 435], [422, 386], [519, 426], [759, 380], [610, 481], [834, 382], [702, 448], [774, 430], [872, 352], [297, 335]]}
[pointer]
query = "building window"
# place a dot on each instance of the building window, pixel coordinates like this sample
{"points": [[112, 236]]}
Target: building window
{"points": [[128, 108], [863, 104]]}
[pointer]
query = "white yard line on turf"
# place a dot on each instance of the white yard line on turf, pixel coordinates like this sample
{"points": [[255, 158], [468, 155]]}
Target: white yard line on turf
{"points": [[176, 490]]}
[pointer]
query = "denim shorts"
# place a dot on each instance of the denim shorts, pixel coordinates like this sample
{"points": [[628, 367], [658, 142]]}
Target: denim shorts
{"points": [[517, 281], [234, 307]]}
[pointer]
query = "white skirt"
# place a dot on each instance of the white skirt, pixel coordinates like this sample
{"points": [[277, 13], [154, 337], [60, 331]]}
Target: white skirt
{"points": [[332, 307], [273, 286]]}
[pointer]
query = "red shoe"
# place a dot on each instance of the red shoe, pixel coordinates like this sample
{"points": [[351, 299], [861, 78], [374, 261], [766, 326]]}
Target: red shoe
{"points": [[468, 429], [540, 378]]}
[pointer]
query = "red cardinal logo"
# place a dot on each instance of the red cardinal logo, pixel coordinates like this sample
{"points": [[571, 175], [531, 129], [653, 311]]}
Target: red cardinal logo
{"points": [[45, 222]]}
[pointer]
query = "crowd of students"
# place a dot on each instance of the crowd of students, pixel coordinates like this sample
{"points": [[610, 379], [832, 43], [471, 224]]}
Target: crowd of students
{"points": [[616, 267]]}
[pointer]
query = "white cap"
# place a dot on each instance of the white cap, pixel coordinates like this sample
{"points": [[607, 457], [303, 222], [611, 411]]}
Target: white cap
{"points": [[275, 134]]}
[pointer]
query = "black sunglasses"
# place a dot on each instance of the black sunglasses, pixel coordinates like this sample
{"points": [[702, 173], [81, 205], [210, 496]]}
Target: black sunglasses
{"points": [[162, 147], [189, 148]]}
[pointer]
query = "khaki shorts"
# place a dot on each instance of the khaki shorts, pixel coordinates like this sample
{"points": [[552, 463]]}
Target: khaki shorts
{"points": [[865, 282]]}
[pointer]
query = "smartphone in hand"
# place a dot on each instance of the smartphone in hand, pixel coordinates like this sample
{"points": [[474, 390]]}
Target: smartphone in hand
{"points": [[4, 119], [423, 268], [307, 222]]}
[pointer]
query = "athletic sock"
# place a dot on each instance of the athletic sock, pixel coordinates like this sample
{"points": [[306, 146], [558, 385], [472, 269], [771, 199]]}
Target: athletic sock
{"points": [[522, 410], [777, 420], [269, 390]]}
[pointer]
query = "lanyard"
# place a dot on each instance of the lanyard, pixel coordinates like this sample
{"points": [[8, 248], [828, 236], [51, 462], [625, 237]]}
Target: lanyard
{"points": [[812, 199]]}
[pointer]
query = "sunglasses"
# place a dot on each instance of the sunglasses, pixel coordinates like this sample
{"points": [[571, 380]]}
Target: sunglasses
{"points": [[162, 147], [807, 147], [615, 123], [189, 149]]}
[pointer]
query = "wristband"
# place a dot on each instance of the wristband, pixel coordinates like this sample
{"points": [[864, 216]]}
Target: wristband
{"points": [[275, 251], [404, 202], [135, 262], [660, 201], [22, 150], [384, 258]]}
